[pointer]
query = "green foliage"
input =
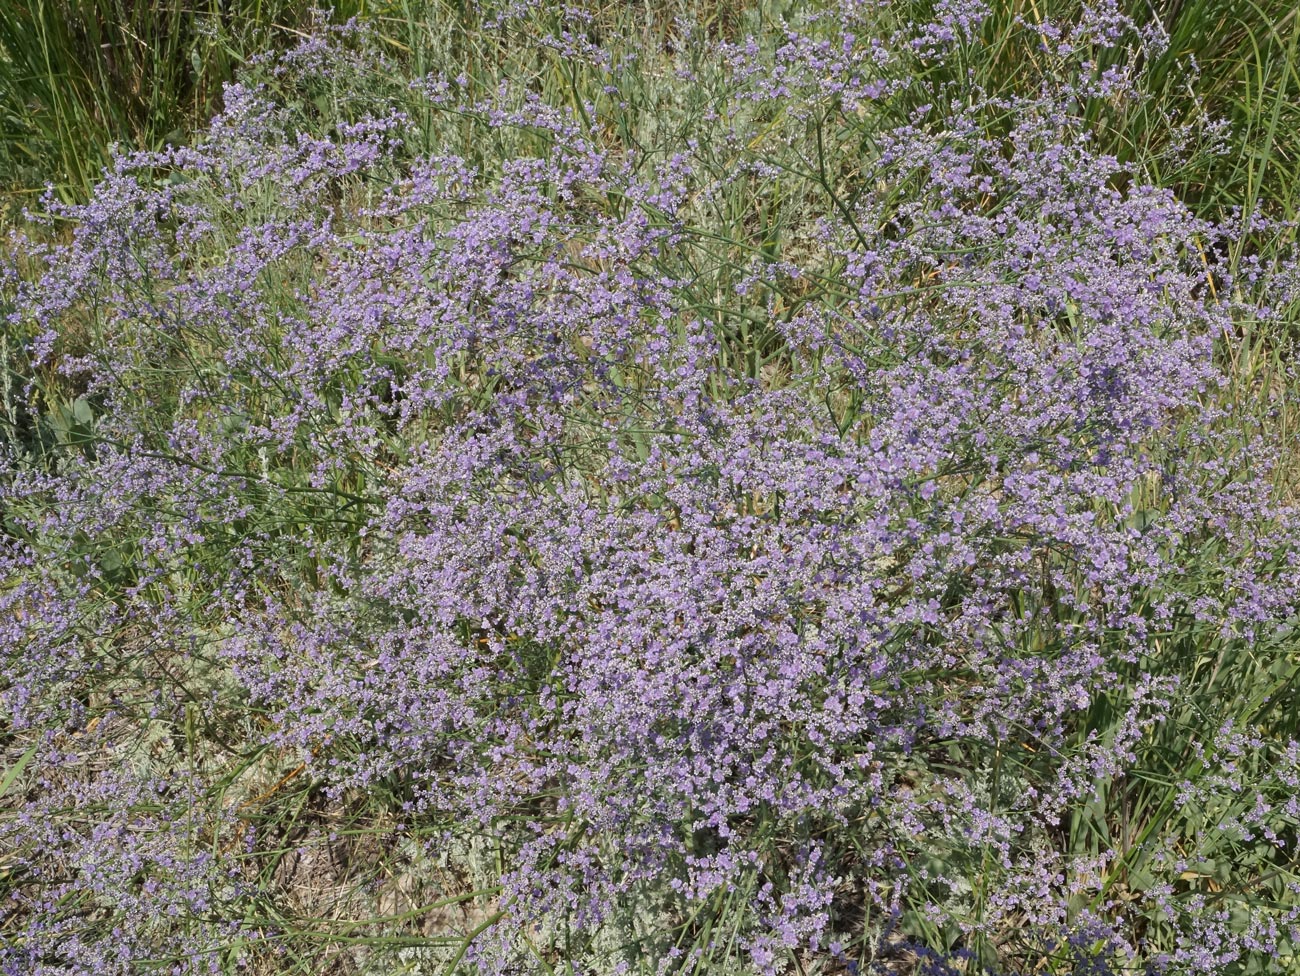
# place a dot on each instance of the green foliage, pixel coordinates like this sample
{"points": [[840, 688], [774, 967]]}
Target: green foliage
{"points": [[78, 76]]}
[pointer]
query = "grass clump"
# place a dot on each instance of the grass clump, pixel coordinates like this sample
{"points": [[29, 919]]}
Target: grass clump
{"points": [[78, 77]]}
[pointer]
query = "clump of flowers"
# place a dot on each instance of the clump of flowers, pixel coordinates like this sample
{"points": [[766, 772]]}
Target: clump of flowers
{"points": [[809, 592]]}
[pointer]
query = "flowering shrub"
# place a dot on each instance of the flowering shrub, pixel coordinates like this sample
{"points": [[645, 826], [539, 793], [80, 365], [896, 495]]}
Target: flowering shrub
{"points": [[802, 588]]}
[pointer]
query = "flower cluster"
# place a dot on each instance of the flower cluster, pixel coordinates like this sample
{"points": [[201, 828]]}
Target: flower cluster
{"points": [[827, 574]]}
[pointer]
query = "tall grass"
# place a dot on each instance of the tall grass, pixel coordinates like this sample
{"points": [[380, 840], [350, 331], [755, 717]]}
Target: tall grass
{"points": [[79, 76]]}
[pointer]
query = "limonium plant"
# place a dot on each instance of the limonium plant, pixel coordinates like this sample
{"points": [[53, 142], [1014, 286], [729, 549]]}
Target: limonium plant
{"points": [[756, 539]]}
